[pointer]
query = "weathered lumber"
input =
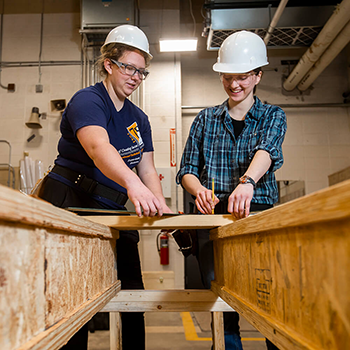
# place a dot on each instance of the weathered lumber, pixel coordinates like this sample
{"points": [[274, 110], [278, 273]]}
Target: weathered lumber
{"points": [[163, 222], [56, 270], [166, 301], [286, 270]]}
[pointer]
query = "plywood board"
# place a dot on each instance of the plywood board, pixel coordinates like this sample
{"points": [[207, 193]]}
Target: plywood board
{"points": [[17, 207], [288, 274], [77, 268], [22, 284], [56, 270], [58, 334], [164, 222]]}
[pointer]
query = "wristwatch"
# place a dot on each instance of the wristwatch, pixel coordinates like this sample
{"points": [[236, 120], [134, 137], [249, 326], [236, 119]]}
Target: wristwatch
{"points": [[245, 179]]}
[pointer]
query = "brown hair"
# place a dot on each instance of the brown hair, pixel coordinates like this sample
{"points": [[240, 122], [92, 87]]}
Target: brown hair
{"points": [[257, 71], [116, 51]]}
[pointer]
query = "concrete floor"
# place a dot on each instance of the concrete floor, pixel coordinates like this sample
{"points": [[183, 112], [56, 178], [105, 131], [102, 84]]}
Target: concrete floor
{"points": [[168, 330]]}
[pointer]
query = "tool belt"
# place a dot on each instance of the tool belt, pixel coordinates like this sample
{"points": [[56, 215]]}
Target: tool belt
{"points": [[90, 186]]}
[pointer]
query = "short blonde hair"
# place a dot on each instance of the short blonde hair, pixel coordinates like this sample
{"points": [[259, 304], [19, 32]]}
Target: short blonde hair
{"points": [[115, 51]]}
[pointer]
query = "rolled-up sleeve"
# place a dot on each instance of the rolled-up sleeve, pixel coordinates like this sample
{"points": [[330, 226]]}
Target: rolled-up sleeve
{"points": [[192, 157], [275, 128]]}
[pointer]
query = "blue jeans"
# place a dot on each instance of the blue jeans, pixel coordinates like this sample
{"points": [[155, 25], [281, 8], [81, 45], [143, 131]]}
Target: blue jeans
{"points": [[205, 257]]}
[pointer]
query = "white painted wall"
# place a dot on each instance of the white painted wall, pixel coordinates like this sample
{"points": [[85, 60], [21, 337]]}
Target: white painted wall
{"points": [[21, 42]]}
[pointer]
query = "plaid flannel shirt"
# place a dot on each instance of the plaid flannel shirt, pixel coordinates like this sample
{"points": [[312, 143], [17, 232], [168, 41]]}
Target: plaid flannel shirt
{"points": [[212, 151]]}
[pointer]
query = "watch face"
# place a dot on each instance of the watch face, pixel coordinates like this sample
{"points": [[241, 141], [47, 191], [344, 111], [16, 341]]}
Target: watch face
{"points": [[244, 179]]}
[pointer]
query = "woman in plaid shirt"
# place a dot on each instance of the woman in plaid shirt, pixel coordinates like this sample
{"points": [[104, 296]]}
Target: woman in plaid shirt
{"points": [[239, 145]]}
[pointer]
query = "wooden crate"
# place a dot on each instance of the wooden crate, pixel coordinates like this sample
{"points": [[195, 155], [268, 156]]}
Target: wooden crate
{"points": [[56, 271], [287, 270]]}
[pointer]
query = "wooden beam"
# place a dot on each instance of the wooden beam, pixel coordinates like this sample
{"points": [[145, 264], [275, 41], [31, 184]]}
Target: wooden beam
{"points": [[166, 301], [164, 222], [115, 336], [322, 206], [53, 265], [287, 270], [58, 335], [287, 339], [19, 208]]}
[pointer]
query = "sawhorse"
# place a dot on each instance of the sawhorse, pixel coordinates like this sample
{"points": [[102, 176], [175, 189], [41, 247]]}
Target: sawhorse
{"points": [[166, 301]]}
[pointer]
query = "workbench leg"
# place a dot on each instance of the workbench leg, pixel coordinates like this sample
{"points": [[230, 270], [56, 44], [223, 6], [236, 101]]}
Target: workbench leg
{"points": [[217, 319], [115, 336]]}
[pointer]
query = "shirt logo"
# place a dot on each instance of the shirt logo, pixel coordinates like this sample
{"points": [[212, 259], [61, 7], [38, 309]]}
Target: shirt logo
{"points": [[134, 133]]}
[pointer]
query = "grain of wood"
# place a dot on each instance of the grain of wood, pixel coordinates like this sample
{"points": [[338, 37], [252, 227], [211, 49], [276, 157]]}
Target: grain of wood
{"points": [[54, 265], [326, 205], [166, 301], [288, 274], [17, 207], [164, 222], [217, 319]]}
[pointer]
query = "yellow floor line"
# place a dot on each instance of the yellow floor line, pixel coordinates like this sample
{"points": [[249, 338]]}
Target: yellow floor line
{"points": [[190, 331], [191, 334]]}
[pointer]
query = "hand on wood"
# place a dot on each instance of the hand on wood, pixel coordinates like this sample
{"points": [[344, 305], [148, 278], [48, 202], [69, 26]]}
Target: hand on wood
{"points": [[239, 200], [143, 198], [204, 201]]}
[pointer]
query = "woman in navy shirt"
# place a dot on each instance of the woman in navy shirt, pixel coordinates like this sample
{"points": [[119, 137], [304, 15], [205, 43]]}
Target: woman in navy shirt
{"points": [[105, 136]]}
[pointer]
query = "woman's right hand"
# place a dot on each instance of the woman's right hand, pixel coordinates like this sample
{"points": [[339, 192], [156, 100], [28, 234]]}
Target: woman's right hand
{"points": [[204, 201], [143, 199]]}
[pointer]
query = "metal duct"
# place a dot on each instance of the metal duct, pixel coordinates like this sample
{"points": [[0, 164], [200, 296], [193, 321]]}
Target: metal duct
{"points": [[333, 50], [331, 29]]}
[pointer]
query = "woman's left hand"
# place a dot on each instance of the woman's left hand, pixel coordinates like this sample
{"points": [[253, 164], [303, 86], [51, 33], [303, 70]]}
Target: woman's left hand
{"points": [[239, 200]]}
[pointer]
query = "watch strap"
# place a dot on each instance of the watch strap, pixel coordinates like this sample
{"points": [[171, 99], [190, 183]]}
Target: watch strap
{"points": [[245, 179]]}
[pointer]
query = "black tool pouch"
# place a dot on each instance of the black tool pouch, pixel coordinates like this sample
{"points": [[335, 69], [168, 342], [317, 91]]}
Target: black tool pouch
{"points": [[187, 241]]}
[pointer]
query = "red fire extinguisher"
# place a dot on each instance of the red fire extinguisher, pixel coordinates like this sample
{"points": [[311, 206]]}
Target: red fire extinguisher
{"points": [[163, 247]]}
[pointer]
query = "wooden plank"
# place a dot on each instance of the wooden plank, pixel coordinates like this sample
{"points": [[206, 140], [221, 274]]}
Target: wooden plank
{"points": [[164, 222], [291, 281], [322, 206], [51, 264], [266, 325], [76, 269], [166, 301], [115, 337], [58, 335], [217, 319], [17, 207], [22, 284]]}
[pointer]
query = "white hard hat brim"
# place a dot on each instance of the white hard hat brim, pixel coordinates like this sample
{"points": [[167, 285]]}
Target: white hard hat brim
{"points": [[241, 68]]}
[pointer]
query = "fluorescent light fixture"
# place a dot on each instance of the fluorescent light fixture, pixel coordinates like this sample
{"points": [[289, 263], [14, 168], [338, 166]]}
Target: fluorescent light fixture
{"points": [[178, 45]]}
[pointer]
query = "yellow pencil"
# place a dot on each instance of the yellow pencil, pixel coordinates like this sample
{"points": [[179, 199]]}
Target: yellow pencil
{"points": [[212, 193]]}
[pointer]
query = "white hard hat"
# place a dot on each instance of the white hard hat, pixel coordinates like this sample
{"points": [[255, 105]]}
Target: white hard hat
{"points": [[241, 52], [131, 36]]}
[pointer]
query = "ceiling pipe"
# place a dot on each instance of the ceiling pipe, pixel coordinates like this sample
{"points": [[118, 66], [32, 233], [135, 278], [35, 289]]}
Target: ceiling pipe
{"points": [[275, 20], [330, 30], [334, 49]]}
